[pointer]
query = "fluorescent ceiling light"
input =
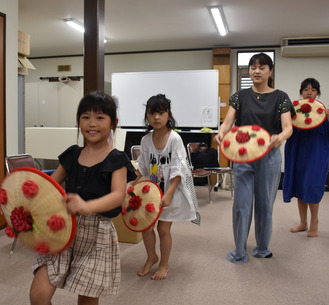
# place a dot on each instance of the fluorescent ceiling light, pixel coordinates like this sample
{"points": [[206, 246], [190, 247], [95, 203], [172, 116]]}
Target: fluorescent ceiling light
{"points": [[80, 26], [75, 24], [218, 16]]}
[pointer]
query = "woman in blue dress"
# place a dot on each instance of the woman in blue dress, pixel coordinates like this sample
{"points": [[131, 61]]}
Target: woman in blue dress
{"points": [[306, 165]]}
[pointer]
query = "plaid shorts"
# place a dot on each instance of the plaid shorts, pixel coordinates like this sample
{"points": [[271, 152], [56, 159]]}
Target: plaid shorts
{"points": [[90, 266]]}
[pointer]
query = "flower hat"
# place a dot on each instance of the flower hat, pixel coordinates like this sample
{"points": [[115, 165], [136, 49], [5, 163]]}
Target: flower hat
{"points": [[310, 113], [141, 208], [32, 203], [243, 144]]}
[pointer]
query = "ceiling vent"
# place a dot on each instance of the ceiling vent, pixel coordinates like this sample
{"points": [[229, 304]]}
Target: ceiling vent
{"points": [[305, 46]]}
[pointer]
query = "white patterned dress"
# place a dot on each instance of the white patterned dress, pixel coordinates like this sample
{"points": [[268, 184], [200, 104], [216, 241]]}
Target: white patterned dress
{"points": [[161, 167]]}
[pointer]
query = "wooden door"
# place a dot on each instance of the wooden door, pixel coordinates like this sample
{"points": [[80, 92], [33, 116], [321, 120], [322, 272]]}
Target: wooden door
{"points": [[2, 98], [2, 104]]}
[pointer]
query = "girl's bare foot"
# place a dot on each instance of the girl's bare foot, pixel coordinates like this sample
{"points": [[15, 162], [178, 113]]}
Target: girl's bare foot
{"points": [[160, 274], [299, 228], [313, 232], [147, 267]]}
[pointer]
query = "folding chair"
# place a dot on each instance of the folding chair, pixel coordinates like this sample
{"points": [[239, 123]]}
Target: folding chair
{"points": [[135, 152], [198, 172], [192, 148], [12, 162]]}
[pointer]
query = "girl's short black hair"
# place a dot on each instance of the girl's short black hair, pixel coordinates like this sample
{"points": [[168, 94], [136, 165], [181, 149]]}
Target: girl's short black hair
{"points": [[262, 59], [159, 103], [310, 81], [98, 101]]}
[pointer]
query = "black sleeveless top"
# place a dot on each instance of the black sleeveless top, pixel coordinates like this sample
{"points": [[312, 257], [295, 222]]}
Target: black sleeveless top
{"points": [[95, 181]]}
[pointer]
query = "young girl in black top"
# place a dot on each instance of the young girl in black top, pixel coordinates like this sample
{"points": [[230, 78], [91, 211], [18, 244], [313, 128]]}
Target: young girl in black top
{"points": [[95, 177]]}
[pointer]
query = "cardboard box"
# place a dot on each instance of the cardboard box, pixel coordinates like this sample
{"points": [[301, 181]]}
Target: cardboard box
{"points": [[124, 234], [23, 43], [23, 65]]}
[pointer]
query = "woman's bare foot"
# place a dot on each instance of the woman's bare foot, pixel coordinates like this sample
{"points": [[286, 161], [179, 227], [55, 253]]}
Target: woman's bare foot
{"points": [[160, 274], [147, 267], [299, 228]]}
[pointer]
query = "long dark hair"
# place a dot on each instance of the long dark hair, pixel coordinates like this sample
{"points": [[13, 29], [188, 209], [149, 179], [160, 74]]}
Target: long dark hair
{"points": [[310, 81], [159, 103], [262, 59]]}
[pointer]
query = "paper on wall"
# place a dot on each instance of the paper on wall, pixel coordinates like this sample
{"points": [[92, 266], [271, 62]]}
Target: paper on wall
{"points": [[208, 117]]}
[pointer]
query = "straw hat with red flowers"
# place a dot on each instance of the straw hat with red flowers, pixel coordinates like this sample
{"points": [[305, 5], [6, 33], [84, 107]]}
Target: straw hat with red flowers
{"points": [[246, 143], [310, 113], [141, 208], [32, 203]]}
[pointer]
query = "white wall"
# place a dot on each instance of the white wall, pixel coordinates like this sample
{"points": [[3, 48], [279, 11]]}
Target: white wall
{"points": [[162, 61], [289, 72], [10, 9]]}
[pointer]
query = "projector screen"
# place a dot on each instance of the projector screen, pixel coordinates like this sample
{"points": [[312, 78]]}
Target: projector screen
{"points": [[193, 93]]}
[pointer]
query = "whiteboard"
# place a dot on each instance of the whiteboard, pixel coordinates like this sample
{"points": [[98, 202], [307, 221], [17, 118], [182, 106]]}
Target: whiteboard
{"points": [[193, 95]]}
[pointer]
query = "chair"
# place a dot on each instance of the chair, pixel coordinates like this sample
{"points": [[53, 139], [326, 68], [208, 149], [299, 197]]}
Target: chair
{"points": [[135, 151], [12, 162], [20, 160], [192, 148], [198, 172]]}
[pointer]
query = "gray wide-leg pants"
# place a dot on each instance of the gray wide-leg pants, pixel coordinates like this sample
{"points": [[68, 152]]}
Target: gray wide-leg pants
{"points": [[255, 184]]}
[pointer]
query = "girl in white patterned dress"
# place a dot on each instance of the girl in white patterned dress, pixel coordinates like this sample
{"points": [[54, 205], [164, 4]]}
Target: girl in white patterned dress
{"points": [[163, 160]]}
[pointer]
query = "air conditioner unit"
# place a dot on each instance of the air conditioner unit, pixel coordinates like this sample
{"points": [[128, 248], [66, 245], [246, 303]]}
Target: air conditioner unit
{"points": [[305, 46]]}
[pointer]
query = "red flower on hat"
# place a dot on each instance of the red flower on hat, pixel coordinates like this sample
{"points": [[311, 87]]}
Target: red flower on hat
{"points": [[30, 188], [261, 141], [295, 103], [235, 128], [124, 211], [3, 196], [319, 110], [306, 108], [135, 202], [133, 221], [242, 151], [150, 207], [311, 100], [10, 232], [21, 220], [130, 190], [255, 127], [308, 121], [226, 143], [242, 137], [42, 248], [56, 223], [146, 188]]}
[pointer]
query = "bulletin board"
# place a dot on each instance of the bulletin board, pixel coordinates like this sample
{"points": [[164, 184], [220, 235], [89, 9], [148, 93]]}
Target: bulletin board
{"points": [[193, 93]]}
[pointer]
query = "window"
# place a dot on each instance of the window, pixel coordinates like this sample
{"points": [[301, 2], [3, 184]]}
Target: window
{"points": [[244, 81]]}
